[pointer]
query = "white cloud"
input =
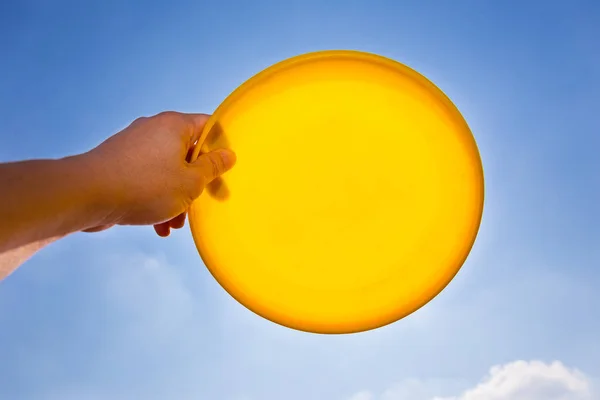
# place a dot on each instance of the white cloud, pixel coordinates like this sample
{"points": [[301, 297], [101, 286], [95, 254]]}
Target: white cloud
{"points": [[533, 380], [519, 380]]}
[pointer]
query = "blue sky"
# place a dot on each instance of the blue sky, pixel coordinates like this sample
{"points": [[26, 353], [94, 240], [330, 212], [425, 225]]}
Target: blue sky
{"points": [[123, 314]]}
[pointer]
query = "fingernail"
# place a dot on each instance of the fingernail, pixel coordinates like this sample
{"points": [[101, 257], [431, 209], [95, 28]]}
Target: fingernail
{"points": [[228, 157]]}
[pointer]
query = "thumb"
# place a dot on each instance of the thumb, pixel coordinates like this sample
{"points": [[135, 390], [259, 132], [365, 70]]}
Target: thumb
{"points": [[213, 164]]}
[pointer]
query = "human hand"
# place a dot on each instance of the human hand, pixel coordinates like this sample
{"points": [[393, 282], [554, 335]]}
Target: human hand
{"points": [[146, 173]]}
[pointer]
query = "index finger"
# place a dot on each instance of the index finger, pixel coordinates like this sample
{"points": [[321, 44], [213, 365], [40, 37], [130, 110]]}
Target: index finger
{"points": [[197, 123]]}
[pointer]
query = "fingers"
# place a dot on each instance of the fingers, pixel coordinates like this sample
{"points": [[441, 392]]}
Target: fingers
{"points": [[190, 126], [178, 222], [197, 121], [164, 229], [214, 164]]}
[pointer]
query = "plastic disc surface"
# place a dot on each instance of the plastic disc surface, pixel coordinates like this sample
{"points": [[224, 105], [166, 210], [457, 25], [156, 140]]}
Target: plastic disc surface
{"points": [[356, 198]]}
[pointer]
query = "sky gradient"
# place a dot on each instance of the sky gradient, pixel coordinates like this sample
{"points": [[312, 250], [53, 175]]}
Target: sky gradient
{"points": [[124, 314]]}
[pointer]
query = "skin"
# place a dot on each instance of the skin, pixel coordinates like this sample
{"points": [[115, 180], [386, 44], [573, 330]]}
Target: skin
{"points": [[139, 176]]}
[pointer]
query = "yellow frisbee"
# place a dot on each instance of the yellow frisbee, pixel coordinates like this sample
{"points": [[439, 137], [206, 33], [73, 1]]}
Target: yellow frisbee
{"points": [[356, 198]]}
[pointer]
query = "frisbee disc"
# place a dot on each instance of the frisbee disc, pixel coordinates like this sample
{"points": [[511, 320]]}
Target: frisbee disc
{"points": [[356, 197]]}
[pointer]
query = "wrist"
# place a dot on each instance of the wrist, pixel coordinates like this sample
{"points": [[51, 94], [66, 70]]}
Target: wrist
{"points": [[96, 188]]}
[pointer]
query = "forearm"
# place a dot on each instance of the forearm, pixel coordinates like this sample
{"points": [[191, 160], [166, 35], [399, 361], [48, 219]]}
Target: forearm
{"points": [[13, 258], [41, 200]]}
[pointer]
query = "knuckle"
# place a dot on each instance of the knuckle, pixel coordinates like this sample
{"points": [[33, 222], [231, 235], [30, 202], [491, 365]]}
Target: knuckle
{"points": [[139, 120], [214, 166], [168, 115], [211, 166], [218, 165]]}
